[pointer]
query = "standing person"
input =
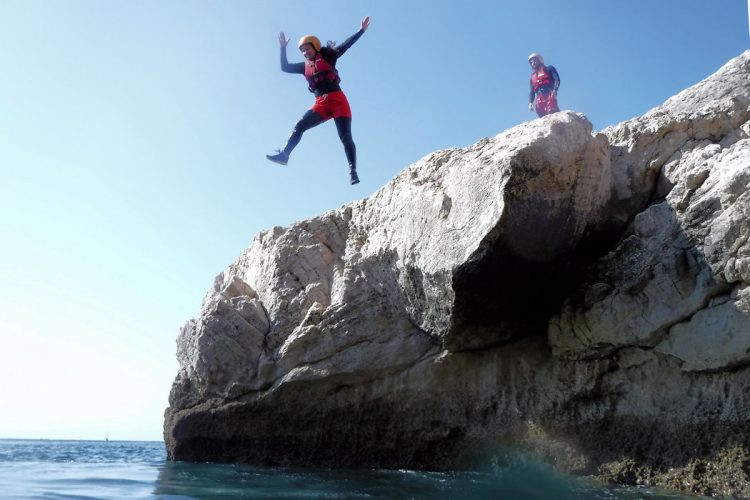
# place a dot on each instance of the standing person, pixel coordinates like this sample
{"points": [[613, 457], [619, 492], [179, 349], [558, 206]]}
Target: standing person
{"points": [[544, 84], [330, 102]]}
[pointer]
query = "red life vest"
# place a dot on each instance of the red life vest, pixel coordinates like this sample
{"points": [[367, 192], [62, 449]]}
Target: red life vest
{"points": [[321, 75], [541, 78]]}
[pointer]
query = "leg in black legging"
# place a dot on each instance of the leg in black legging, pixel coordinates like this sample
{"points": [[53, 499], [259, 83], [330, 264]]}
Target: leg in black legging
{"points": [[344, 128], [309, 120]]}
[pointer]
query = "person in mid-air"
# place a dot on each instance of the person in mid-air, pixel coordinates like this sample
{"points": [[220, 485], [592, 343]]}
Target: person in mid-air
{"points": [[544, 84], [330, 102]]}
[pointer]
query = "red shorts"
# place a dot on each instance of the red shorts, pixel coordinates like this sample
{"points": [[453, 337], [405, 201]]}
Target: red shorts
{"points": [[546, 103], [332, 105]]}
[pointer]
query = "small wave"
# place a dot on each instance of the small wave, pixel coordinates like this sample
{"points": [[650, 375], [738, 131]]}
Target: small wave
{"points": [[115, 470]]}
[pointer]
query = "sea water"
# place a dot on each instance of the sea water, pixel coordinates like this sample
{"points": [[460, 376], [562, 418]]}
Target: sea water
{"points": [[129, 469]]}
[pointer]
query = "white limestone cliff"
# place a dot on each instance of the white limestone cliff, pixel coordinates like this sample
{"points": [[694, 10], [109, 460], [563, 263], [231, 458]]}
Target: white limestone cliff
{"points": [[584, 295]]}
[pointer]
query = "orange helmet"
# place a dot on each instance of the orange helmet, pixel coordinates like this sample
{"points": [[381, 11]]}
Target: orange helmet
{"points": [[312, 40]]}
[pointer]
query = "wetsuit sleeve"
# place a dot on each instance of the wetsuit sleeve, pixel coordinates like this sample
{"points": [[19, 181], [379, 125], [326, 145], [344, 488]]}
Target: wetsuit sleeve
{"points": [[555, 78], [344, 46], [290, 68], [531, 91]]}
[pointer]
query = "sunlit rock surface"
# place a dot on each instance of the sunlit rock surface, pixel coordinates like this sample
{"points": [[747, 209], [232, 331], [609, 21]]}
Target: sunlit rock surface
{"points": [[585, 296]]}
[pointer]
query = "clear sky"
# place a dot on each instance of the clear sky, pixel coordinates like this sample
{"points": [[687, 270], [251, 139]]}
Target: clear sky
{"points": [[133, 135]]}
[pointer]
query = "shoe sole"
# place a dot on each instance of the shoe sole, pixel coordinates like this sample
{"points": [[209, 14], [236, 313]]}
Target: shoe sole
{"points": [[280, 162]]}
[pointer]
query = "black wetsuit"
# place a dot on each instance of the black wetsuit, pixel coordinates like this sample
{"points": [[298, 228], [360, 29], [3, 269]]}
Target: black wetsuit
{"points": [[321, 87]]}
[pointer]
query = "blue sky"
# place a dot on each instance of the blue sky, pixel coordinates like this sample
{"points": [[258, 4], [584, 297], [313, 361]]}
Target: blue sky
{"points": [[133, 135]]}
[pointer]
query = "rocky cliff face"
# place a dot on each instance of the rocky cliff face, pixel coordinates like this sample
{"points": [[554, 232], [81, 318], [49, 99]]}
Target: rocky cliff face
{"points": [[585, 296]]}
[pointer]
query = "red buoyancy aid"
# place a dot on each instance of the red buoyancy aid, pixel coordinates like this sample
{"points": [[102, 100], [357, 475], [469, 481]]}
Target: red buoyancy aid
{"points": [[541, 78], [321, 75]]}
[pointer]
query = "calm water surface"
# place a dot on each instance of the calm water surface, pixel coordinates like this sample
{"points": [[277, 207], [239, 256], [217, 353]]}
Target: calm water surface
{"points": [[129, 469]]}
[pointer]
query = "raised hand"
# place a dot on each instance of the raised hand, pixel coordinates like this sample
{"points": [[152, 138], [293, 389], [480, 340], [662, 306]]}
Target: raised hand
{"points": [[283, 40], [365, 23]]}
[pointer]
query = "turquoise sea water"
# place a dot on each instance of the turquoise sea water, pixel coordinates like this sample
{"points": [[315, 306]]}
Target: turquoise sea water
{"points": [[130, 469]]}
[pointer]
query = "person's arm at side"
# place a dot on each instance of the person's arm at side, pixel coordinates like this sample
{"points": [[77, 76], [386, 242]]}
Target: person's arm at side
{"points": [[555, 79], [531, 97]]}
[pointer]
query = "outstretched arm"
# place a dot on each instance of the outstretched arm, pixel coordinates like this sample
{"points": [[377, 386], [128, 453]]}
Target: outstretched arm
{"points": [[285, 66], [350, 41]]}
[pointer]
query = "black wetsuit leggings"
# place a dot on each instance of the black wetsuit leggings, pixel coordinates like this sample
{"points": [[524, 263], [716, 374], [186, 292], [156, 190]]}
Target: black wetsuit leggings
{"points": [[311, 119]]}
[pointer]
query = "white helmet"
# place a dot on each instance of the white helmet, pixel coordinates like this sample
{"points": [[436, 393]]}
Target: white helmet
{"points": [[537, 55]]}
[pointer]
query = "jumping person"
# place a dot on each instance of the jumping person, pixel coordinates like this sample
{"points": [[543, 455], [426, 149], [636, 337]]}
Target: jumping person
{"points": [[330, 102], [544, 84]]}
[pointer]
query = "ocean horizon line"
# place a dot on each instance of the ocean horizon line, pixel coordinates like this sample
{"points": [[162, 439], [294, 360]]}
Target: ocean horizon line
{"points": [[105, 440]]}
